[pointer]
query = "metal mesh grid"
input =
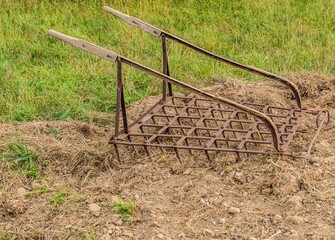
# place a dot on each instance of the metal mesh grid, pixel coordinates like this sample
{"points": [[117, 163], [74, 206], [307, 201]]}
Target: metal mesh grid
{"points": [[200, 124]]}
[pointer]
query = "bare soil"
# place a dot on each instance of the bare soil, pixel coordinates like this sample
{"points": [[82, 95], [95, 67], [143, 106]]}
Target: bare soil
{"points": [[258, 197]]}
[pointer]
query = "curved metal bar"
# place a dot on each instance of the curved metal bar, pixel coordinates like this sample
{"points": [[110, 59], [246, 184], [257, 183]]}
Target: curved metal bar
{"points": [[158, 32], [111, 56], [319, 128], [326, 111]]}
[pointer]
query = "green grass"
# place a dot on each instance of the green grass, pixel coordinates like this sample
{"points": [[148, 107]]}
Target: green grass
{"points": [[125, 209], [41, 77], [89, 234], [54, 130], [79, 199], [42, 189], [59, 198], [22, 159], [4, 237]]}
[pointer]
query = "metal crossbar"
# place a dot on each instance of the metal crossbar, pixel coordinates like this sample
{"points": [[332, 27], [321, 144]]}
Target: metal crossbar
{"points": [[203, 121]]}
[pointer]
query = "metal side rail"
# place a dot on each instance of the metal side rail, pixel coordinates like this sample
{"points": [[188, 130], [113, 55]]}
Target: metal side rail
{"points": [[160, 33], [201, 122]]}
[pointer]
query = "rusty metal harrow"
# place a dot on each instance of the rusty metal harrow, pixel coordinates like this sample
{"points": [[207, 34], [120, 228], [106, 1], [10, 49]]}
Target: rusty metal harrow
{"points": [[203, 121]]}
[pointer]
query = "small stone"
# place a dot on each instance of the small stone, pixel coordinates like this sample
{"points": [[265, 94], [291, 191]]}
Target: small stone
{"points": [[223, 220], [156, 224], [94, 209], [116, 199], [240, 178], [315, 159], [188, 171], [119, 222], [182, 235], [112, 229], [267, 191], [8, 226], [316, 165], [293, 235], [160, 236], [295, 202], [16, 206], [277, 219], [106, 237], [216, 202], [286, 184], [234, 210], [294, 220], [129, 234], [21, 192], [209, 232], [124, 186]]}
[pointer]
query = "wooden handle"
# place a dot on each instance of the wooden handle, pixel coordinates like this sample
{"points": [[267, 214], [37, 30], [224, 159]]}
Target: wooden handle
{"points": [[61, 36], [134, 21], [86, 46]]}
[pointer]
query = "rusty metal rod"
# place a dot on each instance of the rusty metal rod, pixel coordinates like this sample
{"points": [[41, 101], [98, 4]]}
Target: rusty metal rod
{"points": [[118, 99], [158, 33], [200, 137], [111, 56], [165, 69], [196, 147], [208, 128]]}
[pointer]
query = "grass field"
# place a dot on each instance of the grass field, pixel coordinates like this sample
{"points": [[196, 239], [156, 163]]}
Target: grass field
{"points": [[41, 77]]}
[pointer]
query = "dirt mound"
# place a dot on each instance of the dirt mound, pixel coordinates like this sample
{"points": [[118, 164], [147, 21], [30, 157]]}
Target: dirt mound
{"points": [[315, 90], [258, 197]]}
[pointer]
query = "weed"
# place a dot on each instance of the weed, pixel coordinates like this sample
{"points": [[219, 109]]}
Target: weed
{"points": [[88, 235], [23, 158], [59, 198], [54, 130], [4, 237], [79, 199], [78, 234], [41, 190], [126, 209], [41, 180]]}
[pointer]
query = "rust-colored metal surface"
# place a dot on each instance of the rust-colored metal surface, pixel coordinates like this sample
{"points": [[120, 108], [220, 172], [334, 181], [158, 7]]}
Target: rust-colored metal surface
{"points": [[203, 121], [200, 124], [194, 123]]}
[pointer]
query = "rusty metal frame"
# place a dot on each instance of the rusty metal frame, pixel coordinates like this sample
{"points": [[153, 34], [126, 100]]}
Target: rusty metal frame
{"points": [[160, 33], [238, 127]]}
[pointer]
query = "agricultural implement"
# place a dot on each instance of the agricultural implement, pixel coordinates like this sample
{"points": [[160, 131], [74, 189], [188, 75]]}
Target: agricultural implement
{"points": [[203, 122]]}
